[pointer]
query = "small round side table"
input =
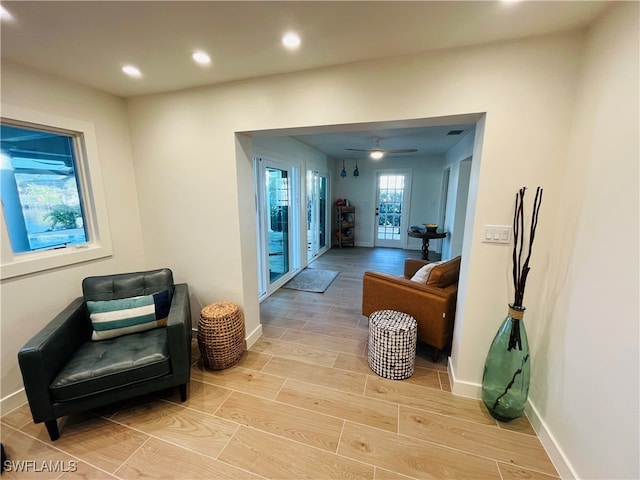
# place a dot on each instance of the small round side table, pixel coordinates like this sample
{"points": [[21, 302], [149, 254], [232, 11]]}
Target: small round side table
{"points": [[221, 335]]}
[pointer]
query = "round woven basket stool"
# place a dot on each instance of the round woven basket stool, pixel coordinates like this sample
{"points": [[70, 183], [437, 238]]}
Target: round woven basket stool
{"points": [[392, 344], [221, 335]]}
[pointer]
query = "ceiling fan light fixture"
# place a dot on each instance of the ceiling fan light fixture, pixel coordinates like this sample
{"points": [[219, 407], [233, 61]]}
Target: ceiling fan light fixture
{"points": [[376, 154]]}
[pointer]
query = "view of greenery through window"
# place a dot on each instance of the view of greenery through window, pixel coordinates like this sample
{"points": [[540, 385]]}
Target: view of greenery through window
{"points": [[40, 196]]}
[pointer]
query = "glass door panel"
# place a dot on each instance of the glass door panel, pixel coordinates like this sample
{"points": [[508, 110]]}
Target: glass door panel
{"points": [[312, 215], [391, 209], [277, 198], [316, 214], [278, 215], [322, 216]]}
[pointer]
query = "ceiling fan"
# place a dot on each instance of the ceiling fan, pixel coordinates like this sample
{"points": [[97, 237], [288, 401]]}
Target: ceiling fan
{"points": [[377, 152]]}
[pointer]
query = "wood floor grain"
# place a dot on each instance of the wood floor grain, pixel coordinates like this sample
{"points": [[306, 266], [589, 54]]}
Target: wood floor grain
{"points": [[430, 399], [287, 421], [241, 379], [106, 450], [302, 403], [349, 382], [179, 425], [22, 447], [415, 458], [347, 406], [483, 440], [275, 457], [161, 460], [304, 353]]}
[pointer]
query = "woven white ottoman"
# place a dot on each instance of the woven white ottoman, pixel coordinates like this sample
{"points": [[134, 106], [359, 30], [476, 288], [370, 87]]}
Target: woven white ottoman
{"points": [[392, 344]]}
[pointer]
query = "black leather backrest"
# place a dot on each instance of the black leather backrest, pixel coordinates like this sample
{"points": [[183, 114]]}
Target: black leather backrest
{"points": [[113, 287]]}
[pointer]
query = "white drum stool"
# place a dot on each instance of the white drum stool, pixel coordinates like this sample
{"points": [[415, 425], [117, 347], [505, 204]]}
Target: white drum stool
{"points": [[392, 344]]}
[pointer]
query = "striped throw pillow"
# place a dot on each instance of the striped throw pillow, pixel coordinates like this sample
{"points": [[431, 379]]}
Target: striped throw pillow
{"points": [[112, 318]]}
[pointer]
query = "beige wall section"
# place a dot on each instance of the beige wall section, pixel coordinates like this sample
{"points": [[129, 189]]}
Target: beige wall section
{"points": [[185, 142], [526, 88], [30, 301], [586, 359]]}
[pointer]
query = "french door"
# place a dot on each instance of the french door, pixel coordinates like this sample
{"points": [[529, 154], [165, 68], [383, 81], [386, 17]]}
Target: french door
{"points": [[317, 220], [278, 223], [393, 191]]}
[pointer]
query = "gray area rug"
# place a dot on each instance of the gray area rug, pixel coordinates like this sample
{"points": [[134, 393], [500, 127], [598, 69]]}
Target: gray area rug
{"points": [[312, 280]]}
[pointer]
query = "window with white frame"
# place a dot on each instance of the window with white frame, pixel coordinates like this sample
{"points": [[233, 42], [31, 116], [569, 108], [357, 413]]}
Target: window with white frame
{"points": [[40, 195], [53, 211]]}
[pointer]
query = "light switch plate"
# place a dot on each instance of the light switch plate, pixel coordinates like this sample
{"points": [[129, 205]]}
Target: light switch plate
{"points": [[497, 234]]}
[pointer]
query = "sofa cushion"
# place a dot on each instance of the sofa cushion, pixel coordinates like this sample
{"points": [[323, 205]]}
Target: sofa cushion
{"points": [[112, 318], [445, 274], [101, 366], [423, 274]]}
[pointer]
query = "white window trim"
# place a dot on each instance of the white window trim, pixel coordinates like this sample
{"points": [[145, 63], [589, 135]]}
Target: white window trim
{"points": [[95, 206]]}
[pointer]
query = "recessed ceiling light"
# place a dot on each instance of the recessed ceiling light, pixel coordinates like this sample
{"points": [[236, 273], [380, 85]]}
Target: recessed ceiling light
{"points": [[132, 71], [201, 57], [291, 40]]}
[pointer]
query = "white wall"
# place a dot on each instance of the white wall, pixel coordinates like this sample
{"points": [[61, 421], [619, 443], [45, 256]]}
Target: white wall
{"points": [[424, 203], [526, 88], [454, 223], [31, 301], [585, 357], [185, 142]]}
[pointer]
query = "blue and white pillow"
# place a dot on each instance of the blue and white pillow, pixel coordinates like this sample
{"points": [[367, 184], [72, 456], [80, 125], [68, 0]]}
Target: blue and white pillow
{"points": [[112, 318]]}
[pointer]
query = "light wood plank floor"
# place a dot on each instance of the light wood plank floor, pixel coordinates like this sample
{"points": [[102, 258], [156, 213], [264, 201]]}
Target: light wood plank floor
{"points": [[302, 403]]}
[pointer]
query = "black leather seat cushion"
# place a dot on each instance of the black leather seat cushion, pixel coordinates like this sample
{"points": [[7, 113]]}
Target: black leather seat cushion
{"points": [[100, 366]]}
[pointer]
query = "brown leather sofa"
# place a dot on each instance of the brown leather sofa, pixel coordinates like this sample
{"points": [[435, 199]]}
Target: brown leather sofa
{"points": [[433, 304]]}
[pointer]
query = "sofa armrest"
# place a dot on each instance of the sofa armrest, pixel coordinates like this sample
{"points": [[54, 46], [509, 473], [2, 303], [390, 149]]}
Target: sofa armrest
{"points": [[412, 265], [179, 332], [432, 307], [42, 357]]}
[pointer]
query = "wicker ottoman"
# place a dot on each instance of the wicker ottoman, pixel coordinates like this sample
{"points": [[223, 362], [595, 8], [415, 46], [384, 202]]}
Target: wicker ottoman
{"points": [[392, 344], [221, 335]]}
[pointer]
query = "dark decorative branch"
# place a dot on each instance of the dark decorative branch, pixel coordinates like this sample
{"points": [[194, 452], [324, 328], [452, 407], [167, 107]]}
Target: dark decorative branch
{"points": [[513, 380], [521, 270]]}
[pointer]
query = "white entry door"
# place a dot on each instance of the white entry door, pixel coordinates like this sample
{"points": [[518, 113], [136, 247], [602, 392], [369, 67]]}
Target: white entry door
{"points": [[393, 191]]}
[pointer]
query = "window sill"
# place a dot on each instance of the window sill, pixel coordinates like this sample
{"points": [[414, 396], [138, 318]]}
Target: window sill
{"points": [[49, 259]]}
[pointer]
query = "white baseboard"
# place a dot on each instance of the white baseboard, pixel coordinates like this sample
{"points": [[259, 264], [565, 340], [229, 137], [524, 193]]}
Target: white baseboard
{"points": [[254, 336], [549, 443], [557, 456], [13, 401], [460, 388]]}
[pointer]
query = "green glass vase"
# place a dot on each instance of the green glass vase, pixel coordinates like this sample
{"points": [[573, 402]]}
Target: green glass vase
{"points": [[505, 382]]}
